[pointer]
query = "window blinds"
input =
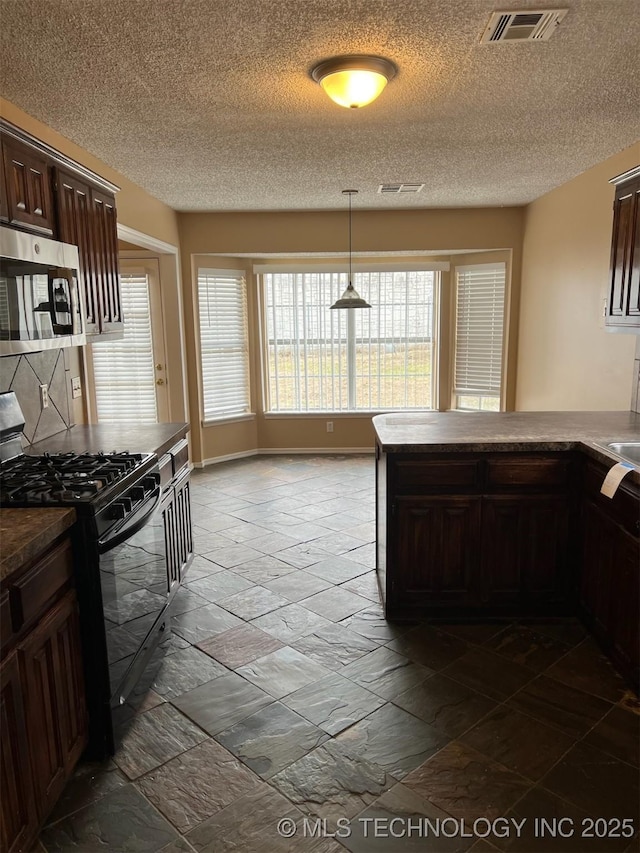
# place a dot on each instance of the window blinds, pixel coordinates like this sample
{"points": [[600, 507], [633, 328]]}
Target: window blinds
{"points": [[480, 292], [224, 349], [123, 371]]}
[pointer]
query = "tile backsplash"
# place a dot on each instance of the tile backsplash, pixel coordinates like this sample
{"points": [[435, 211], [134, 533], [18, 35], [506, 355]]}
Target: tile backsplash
{"points": [[24, 374]]}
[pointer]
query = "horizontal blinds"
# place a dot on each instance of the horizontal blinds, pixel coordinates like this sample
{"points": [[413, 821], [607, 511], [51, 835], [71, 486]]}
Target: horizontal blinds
{"points": [[123, 370], [224, 348], [480, 294]]}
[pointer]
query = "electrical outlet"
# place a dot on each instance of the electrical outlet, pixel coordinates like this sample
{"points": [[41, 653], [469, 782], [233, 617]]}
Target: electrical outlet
{"points": [[329, 426], [44, 397], [76, 387]]}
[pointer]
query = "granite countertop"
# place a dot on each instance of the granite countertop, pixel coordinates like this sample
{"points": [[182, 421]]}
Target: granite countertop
{"points": [[94, 438], [25, 533], [431, 432]]}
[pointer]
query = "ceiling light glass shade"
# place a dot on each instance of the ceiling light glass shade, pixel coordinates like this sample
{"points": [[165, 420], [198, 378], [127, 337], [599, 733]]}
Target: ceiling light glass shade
{"points": [[350, 299], [354, 81]]}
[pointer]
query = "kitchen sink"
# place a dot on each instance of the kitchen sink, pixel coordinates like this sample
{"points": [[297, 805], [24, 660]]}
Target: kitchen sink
{"points": [[629, 450]]}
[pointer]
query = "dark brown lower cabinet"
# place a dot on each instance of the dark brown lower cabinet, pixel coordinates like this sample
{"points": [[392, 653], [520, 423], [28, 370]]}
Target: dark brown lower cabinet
{"points": [[19, 822], [44, 720]]}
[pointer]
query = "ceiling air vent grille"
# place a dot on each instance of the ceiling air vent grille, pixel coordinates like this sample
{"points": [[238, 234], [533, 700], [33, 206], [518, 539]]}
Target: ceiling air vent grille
{"points": [[522, 26], [400, 188]]}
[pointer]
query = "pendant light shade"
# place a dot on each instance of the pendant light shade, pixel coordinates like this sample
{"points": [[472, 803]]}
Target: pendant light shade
{"points": [[354, 81], [350, 298]]}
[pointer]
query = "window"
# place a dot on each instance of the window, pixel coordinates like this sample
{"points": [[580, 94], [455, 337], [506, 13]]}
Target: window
{"points": [[224, 350], [349, 360], [480, 300], [123, 371]]}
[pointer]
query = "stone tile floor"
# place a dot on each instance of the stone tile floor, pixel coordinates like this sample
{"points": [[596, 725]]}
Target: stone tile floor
{"points": [[283, 695]]}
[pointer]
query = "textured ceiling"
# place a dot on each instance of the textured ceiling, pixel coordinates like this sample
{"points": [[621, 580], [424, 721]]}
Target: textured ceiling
{"points": [[208, 104]]}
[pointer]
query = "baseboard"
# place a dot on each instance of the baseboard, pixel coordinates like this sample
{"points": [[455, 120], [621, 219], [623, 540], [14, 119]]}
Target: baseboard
{"points": [[287, 451]]}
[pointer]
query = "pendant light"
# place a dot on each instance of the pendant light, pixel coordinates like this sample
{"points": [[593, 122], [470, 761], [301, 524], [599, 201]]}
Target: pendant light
{"points": [[353, 81], [350, 298]]}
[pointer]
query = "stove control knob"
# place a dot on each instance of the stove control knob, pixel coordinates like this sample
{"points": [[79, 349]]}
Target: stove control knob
{"points": [[127, 503], [137, 493], [118, 510], [149, 483]]}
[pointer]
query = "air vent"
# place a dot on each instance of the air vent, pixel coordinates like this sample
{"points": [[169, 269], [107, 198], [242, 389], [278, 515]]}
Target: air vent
{"points": [[522, 26], [400, 188]]}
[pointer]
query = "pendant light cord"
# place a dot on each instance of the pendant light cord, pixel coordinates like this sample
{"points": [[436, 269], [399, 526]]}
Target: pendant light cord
{"points": [[350, 275]]}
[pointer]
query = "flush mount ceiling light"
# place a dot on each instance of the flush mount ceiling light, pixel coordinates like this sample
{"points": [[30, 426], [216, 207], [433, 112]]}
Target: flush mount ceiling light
{"points": [[353, 81], [350, 298]]}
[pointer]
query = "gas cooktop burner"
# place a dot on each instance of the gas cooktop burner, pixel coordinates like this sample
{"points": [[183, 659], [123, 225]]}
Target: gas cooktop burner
{"points": [[63, 478]]}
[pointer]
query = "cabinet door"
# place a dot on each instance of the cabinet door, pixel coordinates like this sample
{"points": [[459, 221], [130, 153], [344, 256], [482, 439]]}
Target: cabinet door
{"points": [[74, 211], [436, 553], [183, 519], [598, 558], [51, 664], [29, 199], [624, 294], [19, 822], [4, 202], [525, 550], [625, 595], [104, 237]]}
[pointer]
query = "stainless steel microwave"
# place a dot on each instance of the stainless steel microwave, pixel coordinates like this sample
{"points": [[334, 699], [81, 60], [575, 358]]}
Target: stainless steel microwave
{"points": [[40, 302]]}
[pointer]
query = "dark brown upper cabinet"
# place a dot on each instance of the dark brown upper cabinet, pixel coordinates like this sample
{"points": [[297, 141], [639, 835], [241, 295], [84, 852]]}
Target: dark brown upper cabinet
{"points": [[623, 305], [46, 192], [27, 187]]}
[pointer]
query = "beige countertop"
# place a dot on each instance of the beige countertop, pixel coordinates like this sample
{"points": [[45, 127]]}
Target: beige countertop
{"points": [[27, 532], [437, 432]]}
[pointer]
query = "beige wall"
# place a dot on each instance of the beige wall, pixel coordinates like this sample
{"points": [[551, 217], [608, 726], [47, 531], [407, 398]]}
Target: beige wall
{"points": [[566, 359], [206, 236]]}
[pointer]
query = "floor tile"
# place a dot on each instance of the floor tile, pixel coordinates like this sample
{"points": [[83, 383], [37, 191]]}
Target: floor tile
{"points": [[283, 671], [333, 703], [467, 784], [330, 783], [232, 554], [386, 673], [586, 668], [365, 585], [150, 739], [596, 782], [263, 569], [561, 706], [338, 543], [568, 630], [539, 806], [445, 704], [271, 739], [253, 602], [334, 646], [183, 671], [240, 645], [336, 569], [269, 543], [197, 784], [219, 585], [179, 846], [521, 743], [90, 782], [372, 624], [335, 603], [244, 531], [429, 646], [290, 622], [205, 622], [122, 820], [618, 733], [186, 599], [221, 703], [473, 632], [303, 555], [297, 585], [201, 567], [400, 813], [527, 647], [393, 739], [250, 826], [488, 673]]}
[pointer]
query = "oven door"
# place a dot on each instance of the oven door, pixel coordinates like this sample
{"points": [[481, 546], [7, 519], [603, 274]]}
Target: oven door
{"points": [[135, 594]]}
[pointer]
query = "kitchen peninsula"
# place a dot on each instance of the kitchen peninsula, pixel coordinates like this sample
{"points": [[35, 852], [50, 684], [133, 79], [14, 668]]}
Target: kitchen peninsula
{"points": [[495, 515]]}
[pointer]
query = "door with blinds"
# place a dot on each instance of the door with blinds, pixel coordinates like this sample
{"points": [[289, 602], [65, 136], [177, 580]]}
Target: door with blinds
{"points": [[129, 375]]}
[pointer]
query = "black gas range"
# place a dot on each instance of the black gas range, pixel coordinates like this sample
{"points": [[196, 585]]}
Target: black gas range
{"points": [[120, 560]]}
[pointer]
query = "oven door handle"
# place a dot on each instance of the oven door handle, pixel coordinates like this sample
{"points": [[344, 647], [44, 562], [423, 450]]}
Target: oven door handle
{"points": [[133, 524]]}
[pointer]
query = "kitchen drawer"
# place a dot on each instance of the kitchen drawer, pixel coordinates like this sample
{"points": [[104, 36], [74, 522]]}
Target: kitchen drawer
{"points": [[443, 474], [180, 454], [528, 471], [31, 592]]}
